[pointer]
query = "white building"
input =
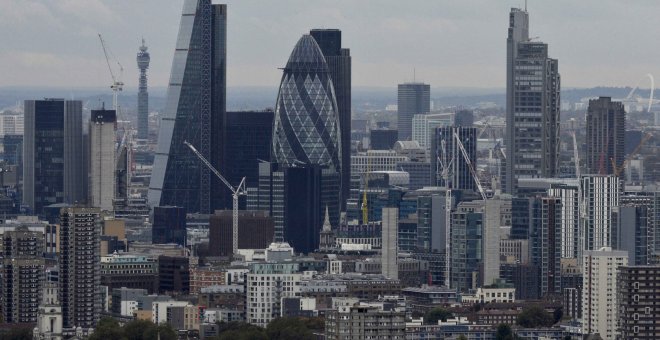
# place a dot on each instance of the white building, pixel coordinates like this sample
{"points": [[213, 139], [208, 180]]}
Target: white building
{"points": [[375, 160], [424, 124], [102, 128], [11, 125], [389, 251], [599, 198], [267, 284], [488, 295], [570, 219], [599, 280], [49, 319], [494, 210], [159, 309]]}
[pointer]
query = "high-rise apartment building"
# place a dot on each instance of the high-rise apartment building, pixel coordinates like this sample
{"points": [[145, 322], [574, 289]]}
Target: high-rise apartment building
{"points": [[445, 151], [413, 99], [570, 219], [466, 245], [23, 274], [389, 249], [53, 156], [102, 161], [545, 242], [195, 112], [600, 197], [606, 126], [638, 302], [532, 105], [635, 234], [339, 65], [266, 285], [599, 292], [80, 267], [143, 59]]}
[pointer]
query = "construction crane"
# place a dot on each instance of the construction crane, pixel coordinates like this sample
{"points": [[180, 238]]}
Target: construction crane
{"points": [[445, 167], [618, 169], [365, 207], [117, 84], [470, 166], [235, 193]]}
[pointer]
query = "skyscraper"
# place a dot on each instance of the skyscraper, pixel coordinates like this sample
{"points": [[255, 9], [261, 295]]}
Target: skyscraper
{"points": [[306, 147], [600, 197], [413, 98], [53, 153], [532, 105], [102, 128], [545, 242], [389, 252], [339, 65], [143, 95], [606, 125], [80, 267], [195, 112], [638, 290]]}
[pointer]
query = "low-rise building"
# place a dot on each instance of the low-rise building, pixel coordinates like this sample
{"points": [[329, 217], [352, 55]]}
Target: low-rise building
{"points": [[129, 271], [488, 295], [365, 322]]}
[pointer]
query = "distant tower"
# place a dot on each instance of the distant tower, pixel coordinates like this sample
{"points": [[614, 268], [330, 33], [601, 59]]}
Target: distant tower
{"points": [[143, 96], [327, 236]]}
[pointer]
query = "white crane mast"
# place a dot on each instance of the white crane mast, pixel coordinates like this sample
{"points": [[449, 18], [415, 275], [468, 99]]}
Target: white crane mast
{"points": [[445, 167], [235, 193]]}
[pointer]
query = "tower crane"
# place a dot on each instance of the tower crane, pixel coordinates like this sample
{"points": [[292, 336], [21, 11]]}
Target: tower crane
{"points": [[618, 169], [576, 156], [235, 193], [117, 84], [365, 207], [445, 167]]}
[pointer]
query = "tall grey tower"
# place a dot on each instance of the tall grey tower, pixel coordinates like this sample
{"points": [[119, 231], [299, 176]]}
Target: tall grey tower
{"points": [[143, 95], [413, 98], [195, 112], [606, 125], [339, 64], [532, 106]]}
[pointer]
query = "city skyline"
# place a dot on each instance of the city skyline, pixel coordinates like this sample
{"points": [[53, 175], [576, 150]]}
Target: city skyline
{"points": [[67, 53]]}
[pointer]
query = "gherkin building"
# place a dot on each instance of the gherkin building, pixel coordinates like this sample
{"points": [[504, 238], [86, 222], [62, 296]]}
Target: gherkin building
{"points": [[306, 125]]}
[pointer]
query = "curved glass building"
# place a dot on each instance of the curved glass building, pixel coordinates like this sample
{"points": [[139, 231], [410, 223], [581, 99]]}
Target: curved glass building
{"points": [[306, 125]]}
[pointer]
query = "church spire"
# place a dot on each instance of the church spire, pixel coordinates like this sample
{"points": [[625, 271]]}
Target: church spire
{"points": [[326, 223]]}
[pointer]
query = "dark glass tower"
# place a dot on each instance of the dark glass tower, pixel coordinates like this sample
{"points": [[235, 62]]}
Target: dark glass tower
{"points": [[606, 125], [413, 98], [143, 95], [460, 176], [53, 153], [339, 64], [195, 112]]}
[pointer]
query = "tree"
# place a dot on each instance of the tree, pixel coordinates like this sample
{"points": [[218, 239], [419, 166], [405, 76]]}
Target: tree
{"points": [[557, 314], [314, 324], [504, 332], [162, 332], [135, 329], [288, 328], [435, 314], [107, 328], [462, 337], [17, 333], [535, 316], [240, 331]]}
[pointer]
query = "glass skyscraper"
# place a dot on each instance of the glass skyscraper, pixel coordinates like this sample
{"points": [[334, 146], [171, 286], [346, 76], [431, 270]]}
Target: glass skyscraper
{"points": [[532, 106], [194, 112]]}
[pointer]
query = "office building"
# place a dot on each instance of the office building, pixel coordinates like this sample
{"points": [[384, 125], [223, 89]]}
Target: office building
{"points": [[255, 231], [338, 60], [389, 251], [464, 118], [413, 98], [376, 160], [600, 196], [638, 292], [195, 112], [606, 125], [173, 274], [494, 217], [102, 162], [267, 284], [169, 225], [446, 151], [545, 242], [532, 105], [419, 173], [425, 124], [129, 271], [80, 267], [13, 150], [382, 139], [23, 274], [11, 124], [143, 59], [53, 153], [249, 138], [599, 293]]}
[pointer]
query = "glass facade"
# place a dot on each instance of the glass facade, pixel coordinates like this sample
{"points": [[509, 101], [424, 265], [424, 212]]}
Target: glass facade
{"points": [[460, 176], [194, 112], [306, 128]]}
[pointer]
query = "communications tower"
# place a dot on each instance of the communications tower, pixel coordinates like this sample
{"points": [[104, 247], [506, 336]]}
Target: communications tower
{"points": [[143, 96]]}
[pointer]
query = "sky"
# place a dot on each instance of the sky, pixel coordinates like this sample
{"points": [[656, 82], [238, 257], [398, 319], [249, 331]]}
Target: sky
{"points": [[446, 43]]}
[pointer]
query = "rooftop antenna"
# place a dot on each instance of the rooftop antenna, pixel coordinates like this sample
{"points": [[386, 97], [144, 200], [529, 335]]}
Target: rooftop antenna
{"points": [[525, 5], [414, 78]]}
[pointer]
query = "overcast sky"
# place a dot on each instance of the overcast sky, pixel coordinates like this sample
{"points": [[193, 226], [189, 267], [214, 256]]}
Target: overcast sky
{"points": [[449, 43]]}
